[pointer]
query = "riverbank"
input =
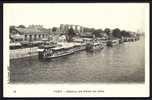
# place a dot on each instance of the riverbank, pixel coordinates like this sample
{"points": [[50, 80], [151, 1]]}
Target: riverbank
{"points": [[32, 51], [23, 52]]}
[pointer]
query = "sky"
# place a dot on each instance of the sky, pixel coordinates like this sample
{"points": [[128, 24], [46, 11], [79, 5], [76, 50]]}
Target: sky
{"points": [[127, 16]]}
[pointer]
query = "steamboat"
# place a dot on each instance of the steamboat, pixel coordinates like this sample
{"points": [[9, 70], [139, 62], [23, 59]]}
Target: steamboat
{"points": [[59, 50]]}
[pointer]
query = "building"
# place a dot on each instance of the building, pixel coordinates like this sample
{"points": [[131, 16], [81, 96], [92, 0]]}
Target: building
{"points": [[31, 33], [77, 28]]}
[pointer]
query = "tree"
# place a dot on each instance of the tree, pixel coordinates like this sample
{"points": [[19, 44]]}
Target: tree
{"points": [[21, 26], [91, 30], [125, 33], [54, 29], [11, 28], [97, 33], [107, 31], [117, 33], [70, 35], [128, 34]]}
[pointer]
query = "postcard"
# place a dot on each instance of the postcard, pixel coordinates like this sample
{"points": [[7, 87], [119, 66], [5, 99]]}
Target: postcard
{"points": [[76, 50]]}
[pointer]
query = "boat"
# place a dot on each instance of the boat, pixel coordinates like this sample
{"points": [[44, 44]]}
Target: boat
{"points": [[94, 46], [79, 47], [15, 45], [112, 42], [61, 49], [104, 42]]}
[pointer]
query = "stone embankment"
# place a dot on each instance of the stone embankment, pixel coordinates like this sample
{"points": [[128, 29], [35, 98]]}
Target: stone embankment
{"points": [[24, 52]]}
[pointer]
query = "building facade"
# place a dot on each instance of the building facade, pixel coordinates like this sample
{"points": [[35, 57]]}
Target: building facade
{"points": [[31, 33], [76, 28]]}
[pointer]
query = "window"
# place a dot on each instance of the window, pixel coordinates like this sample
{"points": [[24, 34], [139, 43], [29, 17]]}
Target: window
{"points": [[30, 38], [25, 37], [35, 37]]}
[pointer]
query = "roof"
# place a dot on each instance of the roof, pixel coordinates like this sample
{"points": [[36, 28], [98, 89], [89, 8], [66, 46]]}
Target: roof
{"points": [[32, 31], [86, 34], [66, 45], [78, 39], [63, 45]]}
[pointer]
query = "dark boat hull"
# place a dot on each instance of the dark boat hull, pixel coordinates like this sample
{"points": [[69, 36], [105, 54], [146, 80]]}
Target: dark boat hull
{"points": [[94, 49], [62, 55]]}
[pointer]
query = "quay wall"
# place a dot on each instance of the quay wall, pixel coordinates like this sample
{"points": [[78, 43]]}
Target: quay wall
{"points": [[24, 52]]}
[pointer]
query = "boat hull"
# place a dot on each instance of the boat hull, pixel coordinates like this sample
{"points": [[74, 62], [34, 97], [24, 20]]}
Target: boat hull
{"points": [[57, 56], [66, 53], [112, 43], [93, 47]]}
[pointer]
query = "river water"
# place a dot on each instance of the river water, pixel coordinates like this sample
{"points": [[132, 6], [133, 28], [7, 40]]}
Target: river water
{"points": [[123, 63]]}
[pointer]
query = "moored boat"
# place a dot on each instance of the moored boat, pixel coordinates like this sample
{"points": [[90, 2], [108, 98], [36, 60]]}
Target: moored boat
{"points": [[61, 49], [15, 45], [112, 43], [94, 46]]}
